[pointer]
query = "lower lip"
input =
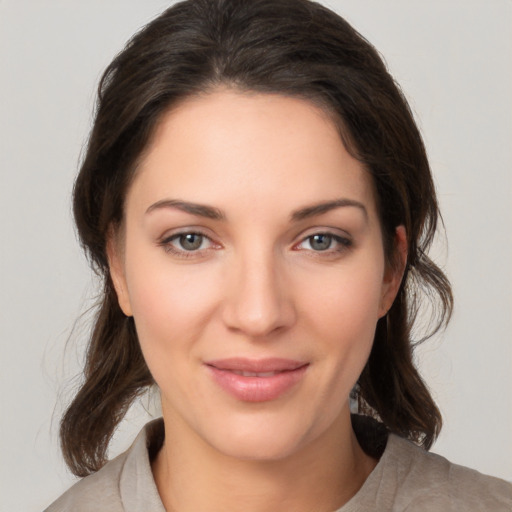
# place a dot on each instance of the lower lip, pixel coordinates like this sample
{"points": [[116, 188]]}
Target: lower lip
{"points": [[257, 389]]}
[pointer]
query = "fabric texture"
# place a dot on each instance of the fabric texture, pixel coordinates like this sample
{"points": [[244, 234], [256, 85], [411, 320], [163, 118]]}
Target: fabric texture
{"points": [[406, 479]]}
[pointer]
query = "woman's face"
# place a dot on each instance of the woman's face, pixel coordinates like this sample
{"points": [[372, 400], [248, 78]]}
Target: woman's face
{"points": [[252, 262]]}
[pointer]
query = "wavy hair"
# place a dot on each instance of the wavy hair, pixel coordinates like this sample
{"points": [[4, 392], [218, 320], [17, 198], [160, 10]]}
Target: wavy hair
{"points": [[292, 47]]}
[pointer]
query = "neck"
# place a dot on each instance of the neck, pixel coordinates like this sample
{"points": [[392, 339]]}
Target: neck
{"points": [[321, 476]]}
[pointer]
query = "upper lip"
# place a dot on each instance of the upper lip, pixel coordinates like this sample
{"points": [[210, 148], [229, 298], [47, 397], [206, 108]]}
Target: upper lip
{"points": [[271, 364]]}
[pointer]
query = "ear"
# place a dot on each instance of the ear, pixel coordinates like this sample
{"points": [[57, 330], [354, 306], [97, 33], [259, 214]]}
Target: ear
{"points": [[117, 272], [394, 271]]}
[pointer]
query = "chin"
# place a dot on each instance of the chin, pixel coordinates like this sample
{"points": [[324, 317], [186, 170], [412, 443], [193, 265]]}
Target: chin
{"points": [[259, 448], [264, 438]]}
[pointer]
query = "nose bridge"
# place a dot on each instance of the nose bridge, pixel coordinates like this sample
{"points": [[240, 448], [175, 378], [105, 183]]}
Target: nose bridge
{"points": [[258, 303]]}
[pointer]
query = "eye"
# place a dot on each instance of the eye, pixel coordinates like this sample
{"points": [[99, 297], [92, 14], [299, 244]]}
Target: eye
{"points": [[186, 244], [190, 241], [320, 242], [325, 242]]}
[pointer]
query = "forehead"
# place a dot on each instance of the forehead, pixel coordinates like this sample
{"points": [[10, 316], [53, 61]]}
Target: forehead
{"points": [[263, 147]]}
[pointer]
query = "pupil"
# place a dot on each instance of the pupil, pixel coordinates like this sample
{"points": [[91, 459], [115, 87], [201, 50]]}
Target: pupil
{"points": [[321, 242], [191, 241]]}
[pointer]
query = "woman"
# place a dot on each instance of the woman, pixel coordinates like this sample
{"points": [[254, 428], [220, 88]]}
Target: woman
{"points": [[258, 199]]}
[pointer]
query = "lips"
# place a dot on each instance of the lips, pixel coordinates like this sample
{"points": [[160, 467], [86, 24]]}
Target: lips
{"points": [[260, 380], [254, 374]]}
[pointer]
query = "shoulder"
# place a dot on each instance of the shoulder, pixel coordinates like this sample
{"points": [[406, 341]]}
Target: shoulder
{"points": [[125, 484], [428, 482], [103, 486], [407, 478]]}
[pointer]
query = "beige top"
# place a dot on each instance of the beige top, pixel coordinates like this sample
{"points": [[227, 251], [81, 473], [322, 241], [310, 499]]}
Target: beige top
{"points": [[407, 478]]}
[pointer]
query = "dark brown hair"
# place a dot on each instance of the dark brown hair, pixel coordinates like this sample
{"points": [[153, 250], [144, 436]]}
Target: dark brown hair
{"points": [[291, 47]]}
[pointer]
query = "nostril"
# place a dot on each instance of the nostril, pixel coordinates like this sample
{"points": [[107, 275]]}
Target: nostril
{"points": [[257, 300], [257, 318]]}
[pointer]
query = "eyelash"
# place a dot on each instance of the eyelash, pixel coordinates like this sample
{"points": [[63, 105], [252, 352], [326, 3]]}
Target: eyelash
{"points": [[166, 243], [343, 244]]}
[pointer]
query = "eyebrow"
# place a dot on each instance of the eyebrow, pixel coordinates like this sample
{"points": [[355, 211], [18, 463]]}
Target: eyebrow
{"points": [[200, 210], [213, 213], [320, 208]]}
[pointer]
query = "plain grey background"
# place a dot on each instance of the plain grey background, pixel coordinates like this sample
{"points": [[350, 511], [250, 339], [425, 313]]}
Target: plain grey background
{"points": [[454, 61]]}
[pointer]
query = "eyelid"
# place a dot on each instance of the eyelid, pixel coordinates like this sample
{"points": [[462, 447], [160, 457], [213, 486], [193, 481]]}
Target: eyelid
{"points": [[185, 230], [323, 230]]}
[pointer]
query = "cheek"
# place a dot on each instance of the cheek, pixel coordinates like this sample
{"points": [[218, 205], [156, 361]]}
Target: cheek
{"points": [[342, 310], [171, 305], [348, 298]]}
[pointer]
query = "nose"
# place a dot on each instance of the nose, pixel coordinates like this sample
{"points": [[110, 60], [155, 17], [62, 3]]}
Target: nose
{"points": [[258, 302]]}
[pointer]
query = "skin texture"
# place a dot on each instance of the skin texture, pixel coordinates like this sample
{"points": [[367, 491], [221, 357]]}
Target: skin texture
{"points": [[256, 285]]}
